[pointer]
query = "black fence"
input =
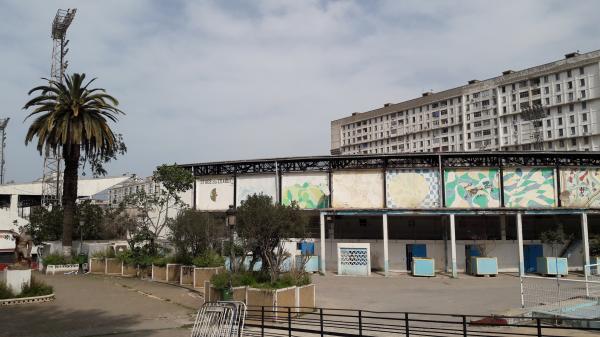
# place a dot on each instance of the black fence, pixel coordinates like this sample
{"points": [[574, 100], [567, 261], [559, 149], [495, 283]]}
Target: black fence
{"points": [[293, 321]]}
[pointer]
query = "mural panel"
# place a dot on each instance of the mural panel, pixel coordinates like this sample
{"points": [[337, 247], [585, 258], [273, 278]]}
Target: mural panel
{"points": [[529, 187], [309, 190], [357, 189], [412, 188], [214, 193], [580, 187], [472, 188], [249, 185]]}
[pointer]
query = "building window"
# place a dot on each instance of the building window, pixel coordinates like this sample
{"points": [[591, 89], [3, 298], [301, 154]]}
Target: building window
{"points": [[584, 117], [572, 131], [561, 143], [548, 123], [572, 119], [585, 129], [583, 105], [582, 82], [557, 86], [558, 99], [549, 134], [546, 79], [569, 74], [582, 93], [561, 132], [571, 107], [586, 140], [557, 76], [570, 85], [581, 71], [560, 121], [574, 141]]}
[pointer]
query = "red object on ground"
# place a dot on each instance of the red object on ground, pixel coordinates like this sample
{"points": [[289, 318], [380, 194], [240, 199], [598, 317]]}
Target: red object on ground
{"points": [[490, 321]]}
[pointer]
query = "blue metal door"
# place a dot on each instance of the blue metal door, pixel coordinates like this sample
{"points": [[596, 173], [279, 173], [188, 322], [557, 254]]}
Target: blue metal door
{"points": [[531, 253], [414, 250], [471, 251]]}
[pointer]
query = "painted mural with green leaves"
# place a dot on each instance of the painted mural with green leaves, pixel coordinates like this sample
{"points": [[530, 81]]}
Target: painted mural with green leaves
{"points": [[529, 187], [472, 188], [308, 190]]}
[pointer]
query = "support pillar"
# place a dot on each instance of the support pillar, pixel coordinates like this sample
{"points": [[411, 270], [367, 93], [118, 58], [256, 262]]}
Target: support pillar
{"points": [[453, 245], [322, 243], [520, 243], [386, 263], [585, 240]]}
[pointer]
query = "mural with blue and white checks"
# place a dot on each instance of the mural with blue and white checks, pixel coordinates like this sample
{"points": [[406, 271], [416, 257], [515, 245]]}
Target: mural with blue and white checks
{"points": [[412, 188]]}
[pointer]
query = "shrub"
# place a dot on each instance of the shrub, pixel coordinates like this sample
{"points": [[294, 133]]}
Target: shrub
{"points": [[160, 261], [127, 257], [79, 259], [36, 288], [258, 280], [5, 291], [209, 259], [56, 259], [104, 254]]}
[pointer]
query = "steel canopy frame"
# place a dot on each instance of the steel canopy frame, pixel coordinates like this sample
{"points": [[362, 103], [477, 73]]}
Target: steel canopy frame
{"points": [[412, 160]]}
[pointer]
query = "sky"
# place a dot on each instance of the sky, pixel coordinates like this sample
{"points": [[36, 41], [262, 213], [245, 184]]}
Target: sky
{"points": [[227, 80]]}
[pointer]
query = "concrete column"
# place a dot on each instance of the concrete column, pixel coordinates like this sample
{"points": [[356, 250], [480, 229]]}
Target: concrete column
{"points": [[453, 245], [585, 239], [386, 257], [14, 204], [520, 243], [322, 242]]}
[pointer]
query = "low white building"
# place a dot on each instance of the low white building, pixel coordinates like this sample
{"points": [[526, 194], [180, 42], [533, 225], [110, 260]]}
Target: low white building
{"points": [[16, 201]]}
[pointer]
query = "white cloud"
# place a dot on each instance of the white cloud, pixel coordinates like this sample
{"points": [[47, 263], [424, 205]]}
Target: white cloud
{"points": [[212, 80]]}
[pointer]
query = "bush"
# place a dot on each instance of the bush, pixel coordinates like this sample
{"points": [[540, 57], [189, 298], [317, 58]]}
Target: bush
{"points": [[56, 259], [5, 291], [209, 259], [36, 288], [127, 257], [79, 259], [160, 261], [258, 280], [104, 254]]}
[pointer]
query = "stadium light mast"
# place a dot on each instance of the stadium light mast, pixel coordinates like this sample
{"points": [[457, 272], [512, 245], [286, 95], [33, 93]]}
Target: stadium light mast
{"points": [[535, 115], [3, 123], [51, 179]]}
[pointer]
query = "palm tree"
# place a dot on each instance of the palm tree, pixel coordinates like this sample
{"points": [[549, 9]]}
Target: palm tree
{"points": [[72, 120]]}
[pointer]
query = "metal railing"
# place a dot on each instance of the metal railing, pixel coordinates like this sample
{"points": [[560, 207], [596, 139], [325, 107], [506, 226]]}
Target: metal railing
{"points": [[301, 321]]}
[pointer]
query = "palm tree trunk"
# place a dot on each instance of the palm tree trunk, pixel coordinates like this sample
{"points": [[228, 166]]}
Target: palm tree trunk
{"points": [[71, 156]]}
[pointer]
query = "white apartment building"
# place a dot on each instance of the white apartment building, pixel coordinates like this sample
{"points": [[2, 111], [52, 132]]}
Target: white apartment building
{"points": [[131, 186], [487, 115]]}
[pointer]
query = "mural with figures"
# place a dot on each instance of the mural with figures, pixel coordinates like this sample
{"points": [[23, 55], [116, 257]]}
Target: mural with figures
{"points": [[260, 184], [309, 190], [214, 193], [580, 187], [472, 188], [529, 187], [357, 189], [412, 188]]}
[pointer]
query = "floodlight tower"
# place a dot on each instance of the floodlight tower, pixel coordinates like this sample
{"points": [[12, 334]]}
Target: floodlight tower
{"points": [[535, 115], [3, 123], [51, 180]]}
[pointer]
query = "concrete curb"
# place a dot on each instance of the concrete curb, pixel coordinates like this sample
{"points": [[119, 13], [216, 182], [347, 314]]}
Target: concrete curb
{"points": [[26, 300]]}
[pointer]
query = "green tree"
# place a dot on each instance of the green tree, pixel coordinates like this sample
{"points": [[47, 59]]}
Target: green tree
{"points": [[45, 224], [72, 119], [151, 210], [262, 226], [194, 233]]}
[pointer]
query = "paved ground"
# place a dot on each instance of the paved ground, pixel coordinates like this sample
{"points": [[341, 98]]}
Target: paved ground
{"points": [[465, 295], [110, 306]]}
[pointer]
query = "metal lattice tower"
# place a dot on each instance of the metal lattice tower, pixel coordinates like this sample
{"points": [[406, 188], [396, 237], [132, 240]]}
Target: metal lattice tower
{"points": [[3, 123], [51, 179]]}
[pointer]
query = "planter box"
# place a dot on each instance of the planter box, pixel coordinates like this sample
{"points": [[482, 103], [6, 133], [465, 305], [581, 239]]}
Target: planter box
{"points": [[305, 298], [311, 266], [202, 275], [97, 266], [61, 268], [552, 266], [482, 266], [423, 267], [159, 273], [113, 267], [210, 293], [186, 276], [240, 294], [129, 271], [173, 272], [16, 279], [594, 270]]}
